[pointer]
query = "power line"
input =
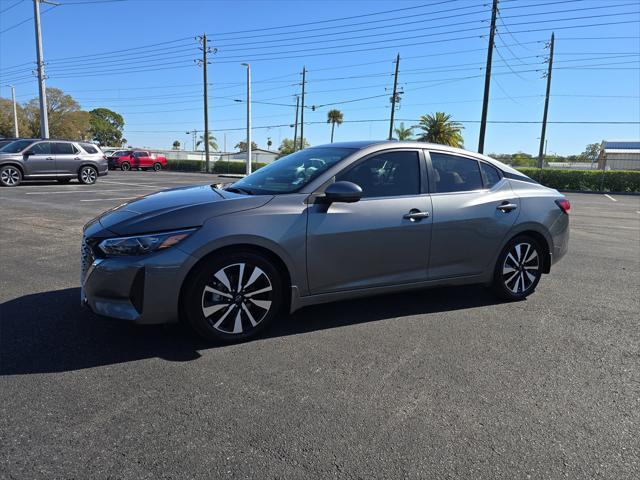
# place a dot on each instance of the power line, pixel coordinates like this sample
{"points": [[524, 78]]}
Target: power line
{"points": [[11, 6], [26, 20]]}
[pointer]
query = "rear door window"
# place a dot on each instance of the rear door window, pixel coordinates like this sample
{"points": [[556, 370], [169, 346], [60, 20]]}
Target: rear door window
{"points": [[455, 174], [60, 148]]}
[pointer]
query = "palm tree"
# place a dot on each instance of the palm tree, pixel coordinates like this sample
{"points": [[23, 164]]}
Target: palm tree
{"points": [[334, 117], [439, 128], [212, 142], [403, 133]]}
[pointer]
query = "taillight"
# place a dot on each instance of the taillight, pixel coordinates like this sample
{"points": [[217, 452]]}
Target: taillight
{"points": [[564, 205]]}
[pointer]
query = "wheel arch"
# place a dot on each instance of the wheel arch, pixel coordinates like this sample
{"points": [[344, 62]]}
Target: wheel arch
{"points": [[537, 233], [272, 256], [87, 164], [13, 164]]}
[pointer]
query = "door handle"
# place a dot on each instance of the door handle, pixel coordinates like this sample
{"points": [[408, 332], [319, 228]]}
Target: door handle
{"points": [[49, 158], [507, 207], [415, 214], [76, 158]]}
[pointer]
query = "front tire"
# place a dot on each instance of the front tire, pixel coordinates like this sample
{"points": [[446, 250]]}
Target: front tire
{"points": [[157, 167], [518, 269], [88, 175], [125, 166], [10, 176], [234, 297]]}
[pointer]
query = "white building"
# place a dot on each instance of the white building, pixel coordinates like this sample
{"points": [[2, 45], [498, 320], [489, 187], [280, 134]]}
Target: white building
{"points": [[619, 155]]}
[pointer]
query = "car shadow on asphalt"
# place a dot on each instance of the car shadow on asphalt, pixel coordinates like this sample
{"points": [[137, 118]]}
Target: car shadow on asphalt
{"points": [[49, 331]]}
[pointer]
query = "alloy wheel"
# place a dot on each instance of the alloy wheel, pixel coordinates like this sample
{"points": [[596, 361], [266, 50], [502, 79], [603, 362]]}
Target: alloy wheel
{"points": [[10, 176], [125, 167], [88, 175], [521, 268], [237, 298]]}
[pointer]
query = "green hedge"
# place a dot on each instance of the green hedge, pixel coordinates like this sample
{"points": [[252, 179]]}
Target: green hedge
{"points": [[185, 165], [221, 166], [625, 181]]}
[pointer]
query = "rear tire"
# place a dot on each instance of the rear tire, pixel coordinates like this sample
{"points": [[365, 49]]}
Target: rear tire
{"points": [[518, 269], [125, 166], [233, 297], [88, 175], [157, 167]]}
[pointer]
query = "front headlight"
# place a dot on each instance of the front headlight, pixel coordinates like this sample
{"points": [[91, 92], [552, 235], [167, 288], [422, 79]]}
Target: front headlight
{"points": [[143, 244]]}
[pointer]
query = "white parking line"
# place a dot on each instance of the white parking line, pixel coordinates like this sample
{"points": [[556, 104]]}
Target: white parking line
{"points": [[130, 184], [107, 199], [89, 191], [610, 198]]}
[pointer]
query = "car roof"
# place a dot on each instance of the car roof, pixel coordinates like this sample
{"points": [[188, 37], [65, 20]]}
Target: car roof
{"points": [[376, 145]]}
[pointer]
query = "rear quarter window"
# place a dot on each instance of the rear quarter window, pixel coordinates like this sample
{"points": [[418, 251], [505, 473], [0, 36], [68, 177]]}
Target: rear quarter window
{"points": [[89, 148]]}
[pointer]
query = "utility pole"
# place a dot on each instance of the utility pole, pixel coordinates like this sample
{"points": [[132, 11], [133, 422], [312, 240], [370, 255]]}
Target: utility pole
{"points": [[248, 171], [15, 112], [546, 106], [203, 63], [193, 134], [44, 119], [487, 77], [393, 98], [304, 73], [295, 128]]}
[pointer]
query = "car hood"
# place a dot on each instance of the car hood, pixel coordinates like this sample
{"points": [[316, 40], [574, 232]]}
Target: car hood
{"points": [[173, 209]]}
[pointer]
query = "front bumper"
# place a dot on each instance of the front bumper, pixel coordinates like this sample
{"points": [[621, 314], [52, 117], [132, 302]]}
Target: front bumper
{"points": [[144, 290]]}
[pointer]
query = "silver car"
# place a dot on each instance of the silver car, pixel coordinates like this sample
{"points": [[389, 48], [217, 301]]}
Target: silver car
{"points": [[327, 223], [61, 160]]}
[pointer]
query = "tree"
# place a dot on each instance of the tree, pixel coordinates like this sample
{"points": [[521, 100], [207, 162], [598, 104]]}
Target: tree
{"points": [[176, 145], [403, 133], [334, 117], [521, 159], [66, 120], [106, 126], [287, 146], [269, 143], [439, 128], [591, 152], [242, 146], [6, 120], [212, 142]]}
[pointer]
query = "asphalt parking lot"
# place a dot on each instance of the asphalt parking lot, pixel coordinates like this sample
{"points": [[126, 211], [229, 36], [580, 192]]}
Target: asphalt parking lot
{"points": [[442, 383]]}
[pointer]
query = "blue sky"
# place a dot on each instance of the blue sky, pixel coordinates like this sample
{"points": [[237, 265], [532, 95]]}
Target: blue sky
{"points": [[136, 57]]}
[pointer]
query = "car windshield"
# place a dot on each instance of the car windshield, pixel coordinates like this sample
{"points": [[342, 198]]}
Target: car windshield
{"points": [[292, 172], [16, 146]]}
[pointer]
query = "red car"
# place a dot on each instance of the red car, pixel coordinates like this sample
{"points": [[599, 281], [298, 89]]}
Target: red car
{"points": [[140, 159]]}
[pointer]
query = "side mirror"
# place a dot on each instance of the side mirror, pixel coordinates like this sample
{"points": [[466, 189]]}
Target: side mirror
{"points": [[345, 192], [27, 153]]}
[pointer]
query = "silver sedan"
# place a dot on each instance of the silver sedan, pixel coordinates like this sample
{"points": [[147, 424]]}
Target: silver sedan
{"points": [[326, 223]]}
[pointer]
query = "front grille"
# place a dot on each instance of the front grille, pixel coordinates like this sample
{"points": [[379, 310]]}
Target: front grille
{"points": [[86, 259]]}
